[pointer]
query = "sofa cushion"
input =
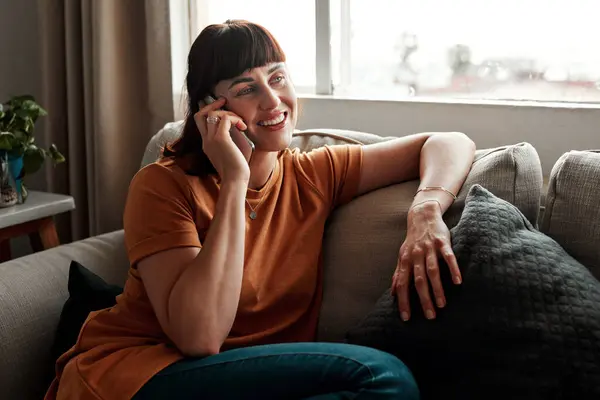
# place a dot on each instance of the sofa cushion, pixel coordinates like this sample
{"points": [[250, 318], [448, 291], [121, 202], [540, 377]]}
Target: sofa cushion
{"points": [[524, 324], [363, 237], [170, 132], [572, 212], [87, 292]]}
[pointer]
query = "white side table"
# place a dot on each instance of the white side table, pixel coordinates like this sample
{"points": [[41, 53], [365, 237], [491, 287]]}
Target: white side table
{"points": [[33, 218]]}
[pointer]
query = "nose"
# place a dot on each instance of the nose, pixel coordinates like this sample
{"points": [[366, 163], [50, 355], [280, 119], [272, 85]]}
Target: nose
{"points": [[270, 99]]}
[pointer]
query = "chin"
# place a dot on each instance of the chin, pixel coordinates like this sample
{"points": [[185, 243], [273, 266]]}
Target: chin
{"points": [[274, 141]]}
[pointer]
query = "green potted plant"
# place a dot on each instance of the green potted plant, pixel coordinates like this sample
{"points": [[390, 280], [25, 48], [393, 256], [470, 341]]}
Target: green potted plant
{"points": [[17, 142]]}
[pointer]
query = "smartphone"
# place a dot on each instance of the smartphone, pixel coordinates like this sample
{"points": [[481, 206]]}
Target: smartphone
{"points": [[208, 100]]}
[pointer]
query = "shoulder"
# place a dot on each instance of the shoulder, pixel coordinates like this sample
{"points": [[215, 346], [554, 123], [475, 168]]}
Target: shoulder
{"points": [[161, 182], [332, 170], [162, 173], [301, 158], [327, 156]]}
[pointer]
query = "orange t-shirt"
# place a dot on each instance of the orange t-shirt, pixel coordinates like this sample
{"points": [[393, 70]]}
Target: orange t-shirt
{"points": [[120, 348]]}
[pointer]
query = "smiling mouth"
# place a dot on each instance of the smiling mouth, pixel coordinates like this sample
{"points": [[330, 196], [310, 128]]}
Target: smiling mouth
{"points": [[278, 120]]}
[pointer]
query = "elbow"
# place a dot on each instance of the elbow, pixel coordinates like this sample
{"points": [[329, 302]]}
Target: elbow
{"points": [[452, 139], [470, 144], [200, 349]]}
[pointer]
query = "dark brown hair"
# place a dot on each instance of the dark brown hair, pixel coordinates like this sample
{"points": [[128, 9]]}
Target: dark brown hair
{"points": [[221, 51]]}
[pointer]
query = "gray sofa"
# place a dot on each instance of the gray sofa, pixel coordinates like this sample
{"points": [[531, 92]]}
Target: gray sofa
{"points": [[360, 247]]}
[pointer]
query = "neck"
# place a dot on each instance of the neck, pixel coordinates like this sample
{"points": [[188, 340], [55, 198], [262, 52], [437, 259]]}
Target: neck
{"points": [[261, 167]]}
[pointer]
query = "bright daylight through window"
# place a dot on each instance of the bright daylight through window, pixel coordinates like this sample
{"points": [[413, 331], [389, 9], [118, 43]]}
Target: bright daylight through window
{"points": [[541, 50]]}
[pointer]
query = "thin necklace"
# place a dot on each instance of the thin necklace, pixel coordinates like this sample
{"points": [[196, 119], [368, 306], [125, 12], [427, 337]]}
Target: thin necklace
{"points": [[253, 213]]}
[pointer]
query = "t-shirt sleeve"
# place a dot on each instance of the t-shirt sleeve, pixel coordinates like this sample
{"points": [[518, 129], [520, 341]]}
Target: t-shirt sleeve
{"points": [[159, 214], [334, 171]]}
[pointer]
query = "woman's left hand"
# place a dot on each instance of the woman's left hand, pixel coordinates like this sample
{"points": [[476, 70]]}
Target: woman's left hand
{"points": [[427, 238]]}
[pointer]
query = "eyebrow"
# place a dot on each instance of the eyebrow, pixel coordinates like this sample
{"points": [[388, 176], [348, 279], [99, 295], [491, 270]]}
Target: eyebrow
{"points": [[248, 79]]}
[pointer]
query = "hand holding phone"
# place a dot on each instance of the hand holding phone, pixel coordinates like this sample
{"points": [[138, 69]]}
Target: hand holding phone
{"points": [[209, 100], [223, 143]]}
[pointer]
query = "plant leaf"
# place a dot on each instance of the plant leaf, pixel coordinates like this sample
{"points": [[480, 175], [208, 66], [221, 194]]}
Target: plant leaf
{"points": [[21, 136], [56, 156], [21, 99], [20, 142], [30, 105], [25, 114], [6, 140], [34, 109], [33, 158]]}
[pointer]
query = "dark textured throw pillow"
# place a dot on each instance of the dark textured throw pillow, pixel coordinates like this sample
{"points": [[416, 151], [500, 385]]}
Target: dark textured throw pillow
{"points": [[525, 323], [87, 292]]}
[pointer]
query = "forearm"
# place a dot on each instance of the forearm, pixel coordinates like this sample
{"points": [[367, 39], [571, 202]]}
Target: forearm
{"points": [[206, 295], [445, 161]]}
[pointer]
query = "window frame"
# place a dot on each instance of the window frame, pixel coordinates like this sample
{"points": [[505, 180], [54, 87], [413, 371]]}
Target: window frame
{"points": [[324, 84]]}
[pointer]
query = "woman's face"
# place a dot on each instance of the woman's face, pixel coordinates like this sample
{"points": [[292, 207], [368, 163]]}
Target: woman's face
{"points": [[265, 99]]}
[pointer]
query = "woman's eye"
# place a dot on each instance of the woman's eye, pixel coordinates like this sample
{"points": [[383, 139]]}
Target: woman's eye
{"points": [[278, 79], [245, 91]]}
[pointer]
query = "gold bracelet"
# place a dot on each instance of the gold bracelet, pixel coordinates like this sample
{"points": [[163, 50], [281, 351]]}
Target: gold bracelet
{"points": [[425, 201], [428, 188]]}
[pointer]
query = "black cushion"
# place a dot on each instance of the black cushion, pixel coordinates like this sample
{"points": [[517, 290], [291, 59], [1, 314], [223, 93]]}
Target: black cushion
{"points": [[87, 292], [525, 323]]}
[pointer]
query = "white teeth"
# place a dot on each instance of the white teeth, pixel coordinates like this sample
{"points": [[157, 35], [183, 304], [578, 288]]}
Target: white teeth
{"points": [[273, 121]]}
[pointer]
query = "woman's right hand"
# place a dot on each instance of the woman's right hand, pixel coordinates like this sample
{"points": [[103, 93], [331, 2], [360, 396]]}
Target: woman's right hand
{"points": [[230, 158]]}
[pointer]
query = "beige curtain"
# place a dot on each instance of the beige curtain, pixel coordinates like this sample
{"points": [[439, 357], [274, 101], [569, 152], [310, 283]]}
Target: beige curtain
{"points": [[106, 83]]}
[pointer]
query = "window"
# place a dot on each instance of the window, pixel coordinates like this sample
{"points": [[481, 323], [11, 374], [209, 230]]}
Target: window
{"points": [[292, 23], [541, 50]]}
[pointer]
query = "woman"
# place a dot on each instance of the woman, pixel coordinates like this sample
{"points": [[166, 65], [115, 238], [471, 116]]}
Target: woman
{"points": [[224, 241]]}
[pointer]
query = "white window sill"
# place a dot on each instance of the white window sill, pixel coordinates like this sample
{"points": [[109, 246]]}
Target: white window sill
{"points": [[456, 101]]}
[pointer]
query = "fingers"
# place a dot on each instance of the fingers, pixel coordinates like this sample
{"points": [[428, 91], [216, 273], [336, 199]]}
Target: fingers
{"points": [[225, 120], [421, 282], [433, 273], [450, 259], [204, 111], [206, 108], [402, 280]]}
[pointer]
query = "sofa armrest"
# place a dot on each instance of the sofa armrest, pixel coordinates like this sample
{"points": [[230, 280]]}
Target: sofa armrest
{"points": [[33, 290]]}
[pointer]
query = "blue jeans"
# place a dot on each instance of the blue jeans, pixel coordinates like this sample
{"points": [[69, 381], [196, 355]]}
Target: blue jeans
{"points": [[286, 371]]}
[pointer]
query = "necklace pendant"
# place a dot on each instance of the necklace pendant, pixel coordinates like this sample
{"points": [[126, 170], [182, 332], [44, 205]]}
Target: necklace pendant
{"points": [[252, 215]]}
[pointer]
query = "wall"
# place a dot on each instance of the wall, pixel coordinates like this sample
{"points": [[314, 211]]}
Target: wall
{"points": [[20, 59], [19, 48], [552, 129], [19, 68]]}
